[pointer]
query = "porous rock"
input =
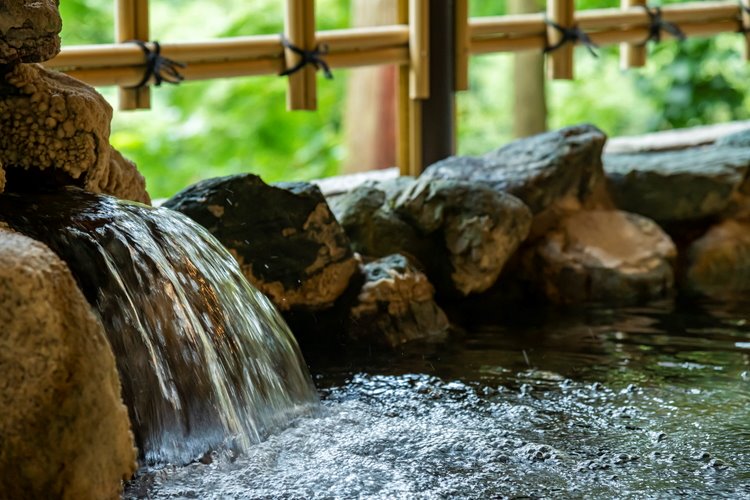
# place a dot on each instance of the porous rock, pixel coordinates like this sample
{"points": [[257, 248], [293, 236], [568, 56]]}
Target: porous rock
{"points": [[56, 129], [285, 238], [64, 432], [718, 263], [395, 305], [29, 30], [677, 186], [541, 170], [600, 256], [739, 139], [475, 230]]}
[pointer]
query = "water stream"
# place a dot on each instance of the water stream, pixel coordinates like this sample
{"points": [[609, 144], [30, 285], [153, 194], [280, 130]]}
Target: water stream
{"points": [[206, 362]]}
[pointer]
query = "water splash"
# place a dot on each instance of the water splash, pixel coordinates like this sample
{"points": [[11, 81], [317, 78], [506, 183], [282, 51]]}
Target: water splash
{"points": [[205, 359]]}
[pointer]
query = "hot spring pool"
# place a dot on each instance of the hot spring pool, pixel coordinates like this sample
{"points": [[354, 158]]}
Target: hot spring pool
{"points": [[628, 403]]}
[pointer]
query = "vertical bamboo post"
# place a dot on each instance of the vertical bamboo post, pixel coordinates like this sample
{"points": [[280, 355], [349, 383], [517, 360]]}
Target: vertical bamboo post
{"points": [[131, 23], [404, 102], [746, 27], [299, 29], [463, 45], [419, 43], [560, 61], [632, 55]]}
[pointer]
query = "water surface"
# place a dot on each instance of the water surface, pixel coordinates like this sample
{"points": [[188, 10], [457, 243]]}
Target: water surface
{"points": [[631, 403]]}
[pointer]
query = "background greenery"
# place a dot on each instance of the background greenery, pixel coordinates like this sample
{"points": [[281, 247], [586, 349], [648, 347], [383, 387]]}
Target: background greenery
{"points": [[204, 129]]}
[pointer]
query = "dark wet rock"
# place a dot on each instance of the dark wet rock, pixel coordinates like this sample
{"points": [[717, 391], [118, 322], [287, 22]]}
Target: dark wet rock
{"points": [[541, 170], [603, 256], [677, 186], [29, 31], [374, 229], [285, 238], [718, 263], [64, 431], [395, 305]]}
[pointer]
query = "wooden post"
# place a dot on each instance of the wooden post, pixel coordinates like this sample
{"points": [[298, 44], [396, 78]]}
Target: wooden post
{"points": [[746, 27], [463, 45], [419, 48], [529, 97], [131, 23], [560, 61], [438, 110], [299, 29], [404, 146], [632, 55]]}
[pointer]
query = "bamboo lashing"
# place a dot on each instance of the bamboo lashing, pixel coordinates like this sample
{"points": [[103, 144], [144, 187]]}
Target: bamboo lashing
{"points": [[299, 29], [131, 23], [560, 61], [746, 26], [404, 102], [632, 55], [462, 45]]}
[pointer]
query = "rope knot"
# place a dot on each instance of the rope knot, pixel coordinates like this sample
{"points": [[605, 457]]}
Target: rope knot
{"points": [[657, 25], [313, 57], [572, 34], [161, 68]]}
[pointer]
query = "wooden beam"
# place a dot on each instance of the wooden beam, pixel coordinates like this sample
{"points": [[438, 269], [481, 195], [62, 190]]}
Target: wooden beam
{"points": [[462, 45]]}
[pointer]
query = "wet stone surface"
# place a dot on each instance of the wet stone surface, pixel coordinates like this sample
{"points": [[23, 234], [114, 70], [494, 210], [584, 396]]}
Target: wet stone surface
{"points": [[638, 403]]}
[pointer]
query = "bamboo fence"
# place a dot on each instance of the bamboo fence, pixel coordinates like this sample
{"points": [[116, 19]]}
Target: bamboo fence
{"points": [[405, 44]]}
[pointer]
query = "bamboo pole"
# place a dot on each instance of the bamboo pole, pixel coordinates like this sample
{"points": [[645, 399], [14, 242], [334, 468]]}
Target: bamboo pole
{"points": [[403, 152], [560, 61], [419, 42], [632, 55], [299, 28], [463, 45], [746, 27], [131, 23]]}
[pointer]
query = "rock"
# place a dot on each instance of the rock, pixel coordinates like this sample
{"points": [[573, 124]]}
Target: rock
{"points": [[541, 170], [395, 305], [677, 186], [739, 139], [718, 263], [374, 229], [64, 431], [29, 31], [55, 130], [603, 256], [474, 230], [285, 238]]}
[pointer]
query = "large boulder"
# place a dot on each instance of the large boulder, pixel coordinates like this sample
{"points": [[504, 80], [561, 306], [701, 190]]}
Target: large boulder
{"points": [[677, 186], [542, 170], [718, 263], [55, 130], [460, 233], [602, 256], [395, 305], [285, 238], [29, 30], [64, 431]]}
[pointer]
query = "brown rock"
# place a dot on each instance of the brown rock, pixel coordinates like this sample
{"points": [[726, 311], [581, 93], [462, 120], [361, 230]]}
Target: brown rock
{"points": [[29, 30], [54, 124], [603, 256], [396, 305], [718, 263], [64, 432]]}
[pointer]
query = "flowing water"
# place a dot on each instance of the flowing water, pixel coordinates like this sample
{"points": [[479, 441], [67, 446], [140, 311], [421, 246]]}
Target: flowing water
{"points": [[206, 362], [630, 403]]}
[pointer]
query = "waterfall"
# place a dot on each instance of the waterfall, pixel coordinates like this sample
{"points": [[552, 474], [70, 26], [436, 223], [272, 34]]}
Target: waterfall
{"points": [[205, 359]]}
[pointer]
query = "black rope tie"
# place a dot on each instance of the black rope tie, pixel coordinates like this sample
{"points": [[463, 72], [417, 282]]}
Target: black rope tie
{"points": [[314, 57], [158, 67], [657, 25], [573, 35]]}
